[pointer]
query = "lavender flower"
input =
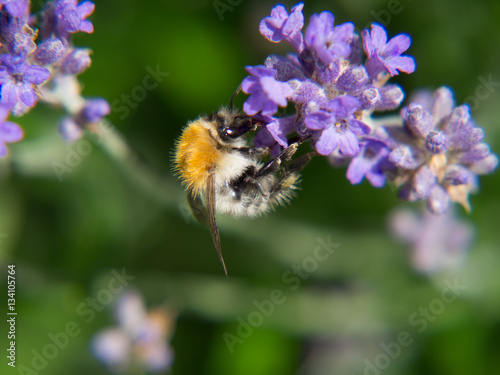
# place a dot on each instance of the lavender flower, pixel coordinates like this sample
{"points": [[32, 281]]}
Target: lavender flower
{"points": [[331, 91], [266, 93], [329, 42], [72, 17], [49, 52], [282, 26], [433, 152], [372, 162], [338, 126], [9, 131], [76, 61], [383, 55], [18, 81], [437, 242], [43, 65], [139, 340], [436, 152]]}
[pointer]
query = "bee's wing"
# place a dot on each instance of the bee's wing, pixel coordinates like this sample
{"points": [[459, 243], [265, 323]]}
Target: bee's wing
{"points": [[212, 219], [198, 208]]}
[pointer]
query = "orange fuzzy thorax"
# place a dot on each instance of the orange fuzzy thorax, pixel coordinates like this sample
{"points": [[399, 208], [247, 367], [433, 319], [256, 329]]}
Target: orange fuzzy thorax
{"points": [[196, 154]]}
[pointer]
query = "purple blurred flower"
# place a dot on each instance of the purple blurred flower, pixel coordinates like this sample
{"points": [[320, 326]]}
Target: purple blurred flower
{"points": [[49, 51], [94, 110], [281, 26], [338, 126], [70, 130], [140, 339], [371, 162], [16, 8], [18, 80], [9, 131], [329, 42], [437, 241], [72, 17], [266, 93], [76, 61], [383, 55]]}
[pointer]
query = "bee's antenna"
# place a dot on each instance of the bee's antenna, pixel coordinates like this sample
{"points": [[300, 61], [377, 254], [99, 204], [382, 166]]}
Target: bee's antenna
{"points": [[234, 95]]}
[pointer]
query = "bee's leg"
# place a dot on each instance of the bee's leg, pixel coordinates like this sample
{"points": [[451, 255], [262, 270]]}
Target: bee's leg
{"points": [[273, 165], [290, 175], [248, 178], [254, 152], [300, 163], [233, 96]]}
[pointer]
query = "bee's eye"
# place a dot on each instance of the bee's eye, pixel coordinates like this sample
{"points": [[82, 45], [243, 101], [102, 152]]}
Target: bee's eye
{"points": [[240, 126], [232, 132]]}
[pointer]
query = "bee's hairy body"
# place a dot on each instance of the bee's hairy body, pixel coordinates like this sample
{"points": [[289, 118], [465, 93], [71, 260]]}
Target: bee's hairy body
{"points": [[241, 187]]}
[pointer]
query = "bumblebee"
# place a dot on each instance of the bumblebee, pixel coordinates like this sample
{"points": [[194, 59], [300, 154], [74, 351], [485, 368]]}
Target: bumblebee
{"points": [[222, 173]]}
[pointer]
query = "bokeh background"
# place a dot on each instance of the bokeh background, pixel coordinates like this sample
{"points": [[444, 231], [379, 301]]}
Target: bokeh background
{"points": [[109, 213]]}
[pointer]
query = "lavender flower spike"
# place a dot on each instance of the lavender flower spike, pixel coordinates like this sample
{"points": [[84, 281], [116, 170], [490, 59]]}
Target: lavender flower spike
{"points": [[383, 55], [281, 26]]}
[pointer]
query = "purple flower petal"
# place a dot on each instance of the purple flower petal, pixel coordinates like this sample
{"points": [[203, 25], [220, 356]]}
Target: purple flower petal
{"points": [[417, 120], [422, 182], [327, 141], [85, 9], [357, 169], [404, 64], [344, 106], [318, 120], [86, 27], [486, 165], [397, 45], [10, 132], [438, 200], [266, 93], [3, 150], [281, 26], [406, 157], [376, 179], [35, 74], [16, 8], [329, 42], [378, 37], [27, 94], [9, 94], [280, 128], [359, 127], [386, 55], [70, 130], [348, 144]]}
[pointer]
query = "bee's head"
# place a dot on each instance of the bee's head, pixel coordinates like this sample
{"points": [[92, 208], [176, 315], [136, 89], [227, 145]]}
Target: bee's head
{"points": [[232, 124]]}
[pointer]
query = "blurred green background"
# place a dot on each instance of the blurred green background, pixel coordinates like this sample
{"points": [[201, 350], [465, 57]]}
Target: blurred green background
{"points": [[66, 237]]}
